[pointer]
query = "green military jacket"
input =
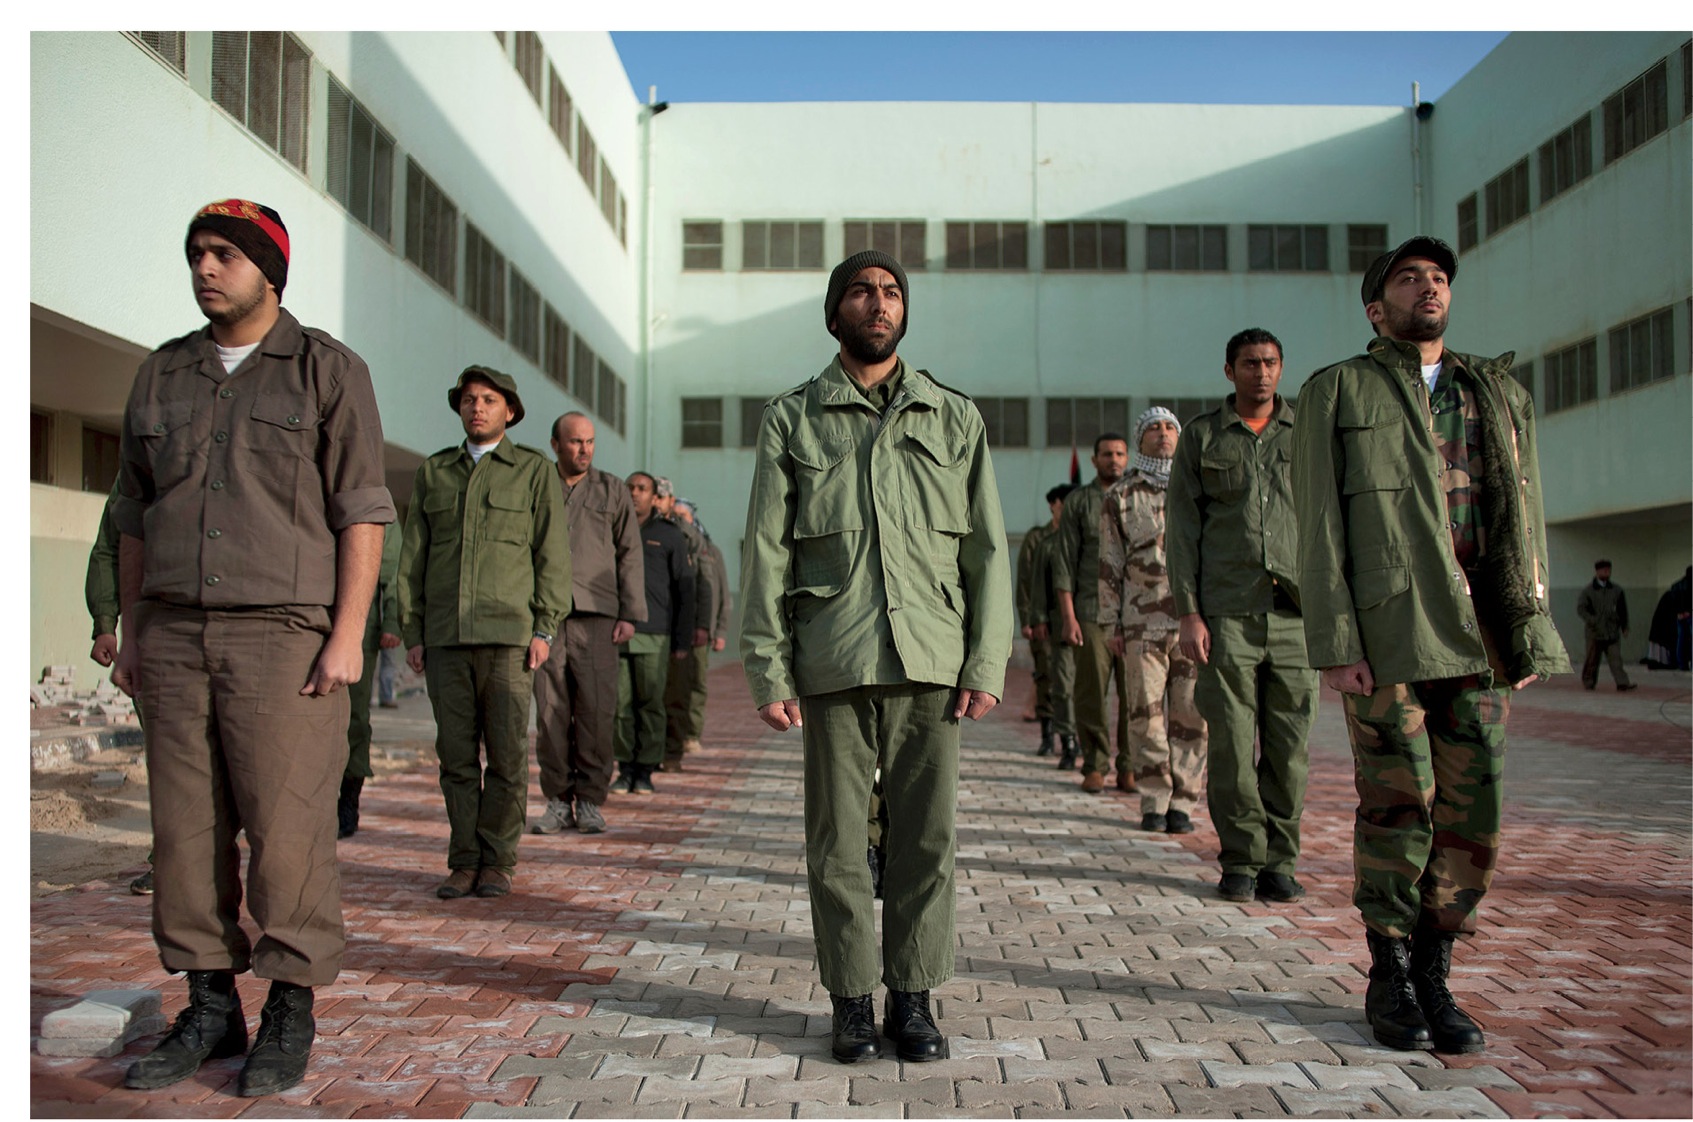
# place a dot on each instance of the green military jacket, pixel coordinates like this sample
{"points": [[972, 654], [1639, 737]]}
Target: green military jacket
{"points": [[875, 552], [100, 582], [384, 615], [1075, 555], [1043, 598], [1229, 521], [486, 553], [1377, 575], [1026, 556]]}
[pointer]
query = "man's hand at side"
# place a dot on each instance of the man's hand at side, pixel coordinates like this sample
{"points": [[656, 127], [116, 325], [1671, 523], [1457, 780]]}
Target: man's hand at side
{"points": [[973, 704], [1356, 678], [781, 715]]}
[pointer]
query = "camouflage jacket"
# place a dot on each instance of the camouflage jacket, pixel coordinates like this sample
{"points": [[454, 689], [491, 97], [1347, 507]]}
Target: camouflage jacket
{"points": [[1379, 578], [1133, 578]]}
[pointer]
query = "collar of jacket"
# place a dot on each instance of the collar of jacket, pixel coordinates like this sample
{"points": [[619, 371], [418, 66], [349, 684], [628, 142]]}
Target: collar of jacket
{"points": [[1282, 414], [835, 386], [502, 451], [285, 338], [1397, 354]]}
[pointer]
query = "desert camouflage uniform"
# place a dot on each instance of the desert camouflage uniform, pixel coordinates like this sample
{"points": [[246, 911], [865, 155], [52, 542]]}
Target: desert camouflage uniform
{"points": [[1166, 743]]}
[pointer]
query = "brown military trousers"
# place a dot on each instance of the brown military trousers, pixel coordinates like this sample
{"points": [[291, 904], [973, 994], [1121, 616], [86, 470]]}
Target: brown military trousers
{"points": [[231, 746], [576, 710], [1096, 669]]}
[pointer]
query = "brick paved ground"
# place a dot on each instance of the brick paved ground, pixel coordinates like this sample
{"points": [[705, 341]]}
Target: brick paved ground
{"points": [[664, 969]]}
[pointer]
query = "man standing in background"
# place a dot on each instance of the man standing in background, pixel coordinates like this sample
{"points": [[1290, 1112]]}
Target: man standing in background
{"points": [[660, 641], [1040, 704], [1603, 607]]}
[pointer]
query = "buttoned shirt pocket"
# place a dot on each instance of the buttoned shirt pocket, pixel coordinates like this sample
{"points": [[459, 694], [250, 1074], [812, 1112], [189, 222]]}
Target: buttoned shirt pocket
{"points": [[939, 467], [826, 507], [511, 518], [1225, 475], [1378, 576], [441, 511], [163, 430], [1373, 441], [284, 439]]}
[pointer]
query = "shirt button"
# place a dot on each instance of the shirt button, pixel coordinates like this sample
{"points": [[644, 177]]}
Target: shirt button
{"points": [[1455, 576], [217, 484], [213, 579], [1452, 525], [160, 427], [1469, 627], [293, 420], [214, 533], [226, 392], [221, 437]]}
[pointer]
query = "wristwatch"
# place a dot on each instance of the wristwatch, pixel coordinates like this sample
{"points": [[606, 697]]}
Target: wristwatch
{"points": [[543, 636]]}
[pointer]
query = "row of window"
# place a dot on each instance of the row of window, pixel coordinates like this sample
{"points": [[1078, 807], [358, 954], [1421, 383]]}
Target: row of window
{"points": [[532, 64], [1070, 421], [1641, 351], [1631, 116], [1081, 246], [263, 79]]}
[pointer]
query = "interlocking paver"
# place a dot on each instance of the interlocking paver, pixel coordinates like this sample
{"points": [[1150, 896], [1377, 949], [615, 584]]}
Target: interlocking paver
{"points": [[665, 968]]}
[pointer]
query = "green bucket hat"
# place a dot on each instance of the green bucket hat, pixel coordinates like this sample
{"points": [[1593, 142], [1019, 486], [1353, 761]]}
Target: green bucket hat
{"points": [[505, 383]]}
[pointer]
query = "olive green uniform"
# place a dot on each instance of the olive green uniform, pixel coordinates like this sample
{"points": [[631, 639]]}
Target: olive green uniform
{"points": [[484, 567], [1026, 557], [1076, 569], [384, 619], [1422, 548], [1060, 656], [685, 677], [1233, 559], [874, 585]]}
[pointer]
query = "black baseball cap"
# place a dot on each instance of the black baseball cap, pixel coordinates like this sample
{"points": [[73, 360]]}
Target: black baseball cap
{"points": [[1420, 246]]}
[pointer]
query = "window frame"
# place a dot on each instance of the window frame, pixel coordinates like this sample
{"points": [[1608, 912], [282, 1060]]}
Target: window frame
{"points": [[967, 241]]}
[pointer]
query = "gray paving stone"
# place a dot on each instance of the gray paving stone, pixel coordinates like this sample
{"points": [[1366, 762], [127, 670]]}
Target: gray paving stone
{"points": [[564, 1089], [1140, 1099], [1084, 1067], [974, 1094], [101, 1013], [564, 1067], [1245, 1075], [1462, 1102], [831, 1090], [1331, 1077], [1450, 1078], [1356, 1103], [869, 1092], [1225, 1102], [665, 1088], [851, 1110]]}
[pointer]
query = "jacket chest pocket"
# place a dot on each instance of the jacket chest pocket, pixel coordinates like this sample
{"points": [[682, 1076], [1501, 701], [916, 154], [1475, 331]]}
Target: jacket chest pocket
{"points": [[1372, 438], [939, 470], [509, 518], [442, 513], [166, 437], [826, 485], [1226, 478], [283, 436]]}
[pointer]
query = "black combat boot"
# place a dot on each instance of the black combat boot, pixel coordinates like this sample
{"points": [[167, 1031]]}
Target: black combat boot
{"points": [[908, 1023], [284, 1043], [1047, 738], [625, 776], [642, 781], [1068, 751], [855, 1030], [347, 806], [1390, 1002], [212, 1027], [1431, 960]]}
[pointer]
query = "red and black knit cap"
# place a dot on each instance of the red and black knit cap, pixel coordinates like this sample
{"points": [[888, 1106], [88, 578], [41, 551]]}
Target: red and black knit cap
{"points": [[255, 230], [850, 268]]}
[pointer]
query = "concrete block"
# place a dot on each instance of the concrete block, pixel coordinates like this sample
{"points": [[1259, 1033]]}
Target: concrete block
{"points": [[107, 1013]]}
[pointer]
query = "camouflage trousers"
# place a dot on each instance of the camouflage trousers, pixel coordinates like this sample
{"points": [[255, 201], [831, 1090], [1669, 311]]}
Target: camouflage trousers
{"points": [[1043, 679], [1429, 761], [1166, 744]]}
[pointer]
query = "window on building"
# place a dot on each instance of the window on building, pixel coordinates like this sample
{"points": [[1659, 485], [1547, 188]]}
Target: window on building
{"points": [[1076, 421], [702, 245], [903, 239], [1187, 408], [558, 107], [1567, 158], [622, 220], [484, 279], [702, 422], [40, 447], [1687, 78], [1572, 376], [1006, 419], [525, 328], [621, 423], [501, 36], [987, 245], [263, 80], [1643, 350], [587, 154], [1283, 249], [752, 413], [1507, 197], [608, 194], [99, 460], [1637, 112], [1523, 372], [1188, 249], [611, 396], [771, 244], [556, 360], [1468, 229], [529, 60], [432, 228], [1087, 246], [170, 46], [582, 369], [361, 163], [1363, 245]]}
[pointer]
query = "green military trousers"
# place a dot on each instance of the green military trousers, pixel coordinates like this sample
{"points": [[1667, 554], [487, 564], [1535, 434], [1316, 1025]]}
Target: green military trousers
{"points": [[358, 696], [1429, 763], [1043, 679], [1096, 669], [643, 667], [1061, 683], [684, 699], [1258, 695], [481, 698], [909, 731]]}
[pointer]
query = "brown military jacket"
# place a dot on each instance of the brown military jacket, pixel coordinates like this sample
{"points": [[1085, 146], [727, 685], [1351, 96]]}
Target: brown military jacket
{"points": [[1134, 555], [239, 483], [713, 613], [607, 571]]}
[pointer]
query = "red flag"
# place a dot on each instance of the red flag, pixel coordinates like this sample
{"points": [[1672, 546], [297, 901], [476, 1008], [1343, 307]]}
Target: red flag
{"points": [[1075, 468]]}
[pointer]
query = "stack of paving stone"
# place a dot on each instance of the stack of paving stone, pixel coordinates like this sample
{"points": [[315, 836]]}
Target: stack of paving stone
{"points": [[100, 1024], [106, 705]]}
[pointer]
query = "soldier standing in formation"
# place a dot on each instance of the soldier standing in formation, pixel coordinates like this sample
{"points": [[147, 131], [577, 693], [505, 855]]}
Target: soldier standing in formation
{"points": [[1423, 577], [660, 642], [381, 632], [1233, 565], [1040, 704]]}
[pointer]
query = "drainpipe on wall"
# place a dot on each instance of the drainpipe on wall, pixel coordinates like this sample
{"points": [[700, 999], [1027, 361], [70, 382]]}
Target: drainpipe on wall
{"points": [[643, 454], [1416, 159]]}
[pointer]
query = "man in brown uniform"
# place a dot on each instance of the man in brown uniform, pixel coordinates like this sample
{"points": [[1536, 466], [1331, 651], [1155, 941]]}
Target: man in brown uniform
{"points": [[576, 689], [251, 507]]}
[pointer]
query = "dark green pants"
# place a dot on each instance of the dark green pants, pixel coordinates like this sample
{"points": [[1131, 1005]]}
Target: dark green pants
{"points": [[1258, 695], [481, 700], [1043, 679], [909, 731], [643, 666], [1429, 763], [1096, 670], [358, 696], [1061, 684], [684, 700]]}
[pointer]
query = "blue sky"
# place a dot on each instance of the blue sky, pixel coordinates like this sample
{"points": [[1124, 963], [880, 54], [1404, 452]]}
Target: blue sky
{"points": [[1248, 67]]}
